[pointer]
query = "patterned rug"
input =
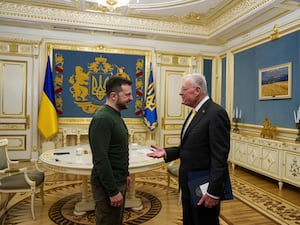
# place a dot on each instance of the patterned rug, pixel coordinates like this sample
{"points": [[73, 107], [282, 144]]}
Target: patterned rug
{"points": [[273, 207], [62, 211], [60, 201]]}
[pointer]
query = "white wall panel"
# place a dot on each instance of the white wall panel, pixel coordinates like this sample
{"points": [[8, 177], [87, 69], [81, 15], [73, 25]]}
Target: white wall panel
{"points": [[13, 82]]}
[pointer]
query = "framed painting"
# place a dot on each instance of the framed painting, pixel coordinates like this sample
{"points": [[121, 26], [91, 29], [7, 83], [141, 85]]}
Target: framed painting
{"points": [[80, 74], [275, 82]]}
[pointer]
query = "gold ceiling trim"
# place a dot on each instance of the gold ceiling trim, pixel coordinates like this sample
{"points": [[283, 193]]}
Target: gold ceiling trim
{"points": [[242, 8], [114, 23], [265, 39], [96, 21]]}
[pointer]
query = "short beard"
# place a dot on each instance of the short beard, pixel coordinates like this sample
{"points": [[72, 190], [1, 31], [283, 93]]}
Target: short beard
{"points": [[121, 106]]}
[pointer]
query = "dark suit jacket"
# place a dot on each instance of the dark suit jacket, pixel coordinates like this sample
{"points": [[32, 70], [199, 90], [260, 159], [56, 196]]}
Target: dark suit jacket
{"points": [[205, 145]]}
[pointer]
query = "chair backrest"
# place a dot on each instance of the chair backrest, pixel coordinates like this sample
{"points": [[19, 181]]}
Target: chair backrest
{"points": [[48, 145], [3, 154]]}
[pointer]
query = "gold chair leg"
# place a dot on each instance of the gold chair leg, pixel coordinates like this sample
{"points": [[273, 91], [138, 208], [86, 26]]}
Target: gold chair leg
{"points": [[32, 205], [42, 194]]}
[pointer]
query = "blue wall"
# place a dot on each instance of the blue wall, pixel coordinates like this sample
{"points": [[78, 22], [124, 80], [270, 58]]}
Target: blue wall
{"points": [[223, 85], [207, 71], [246, 66]]}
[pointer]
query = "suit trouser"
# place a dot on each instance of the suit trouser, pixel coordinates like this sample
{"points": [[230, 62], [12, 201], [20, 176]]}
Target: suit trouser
{"points": [[104, 212], [199, 215]]}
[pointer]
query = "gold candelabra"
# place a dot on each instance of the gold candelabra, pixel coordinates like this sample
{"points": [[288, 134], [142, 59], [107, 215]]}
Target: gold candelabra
{"points": [[236, 127], [298, 135]]}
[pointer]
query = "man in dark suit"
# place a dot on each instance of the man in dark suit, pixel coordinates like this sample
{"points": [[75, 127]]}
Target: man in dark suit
{"points": [[205, 144]]}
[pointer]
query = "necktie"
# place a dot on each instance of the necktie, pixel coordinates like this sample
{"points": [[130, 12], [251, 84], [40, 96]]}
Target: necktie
{"points": [[189, 120]]}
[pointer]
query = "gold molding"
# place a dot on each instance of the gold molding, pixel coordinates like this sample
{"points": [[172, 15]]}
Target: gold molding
{"points": [[19, 47], [265, 39], [134, 121], [95, 48], [86, 121], [167, 137], [24, 66], [12, 126], [222, 16], [21, 138], [20, 40], [101, 49], [166, 88], [73, 121], [175, 127], [14, 48]]}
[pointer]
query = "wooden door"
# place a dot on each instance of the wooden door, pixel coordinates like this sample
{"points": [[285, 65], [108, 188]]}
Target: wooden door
{"points": [[16, 91]]}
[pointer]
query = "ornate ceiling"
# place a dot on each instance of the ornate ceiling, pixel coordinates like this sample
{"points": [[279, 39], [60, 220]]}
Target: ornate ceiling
{"points": [[212, 22]]}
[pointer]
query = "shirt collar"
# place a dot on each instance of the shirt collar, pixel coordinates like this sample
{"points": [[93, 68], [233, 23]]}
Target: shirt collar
{"points": [[205, 99]]}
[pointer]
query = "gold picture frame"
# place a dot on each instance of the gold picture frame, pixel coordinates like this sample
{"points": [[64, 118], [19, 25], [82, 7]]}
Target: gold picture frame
{"points": [[275, 82]]}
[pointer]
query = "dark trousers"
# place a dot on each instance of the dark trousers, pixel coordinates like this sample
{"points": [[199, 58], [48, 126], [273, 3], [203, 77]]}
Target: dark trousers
{"points": [[104, 212], [199, 215]]}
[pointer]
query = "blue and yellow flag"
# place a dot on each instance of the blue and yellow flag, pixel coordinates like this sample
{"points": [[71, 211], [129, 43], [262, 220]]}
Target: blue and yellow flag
{"points": [[150, 115], [47, 121]]}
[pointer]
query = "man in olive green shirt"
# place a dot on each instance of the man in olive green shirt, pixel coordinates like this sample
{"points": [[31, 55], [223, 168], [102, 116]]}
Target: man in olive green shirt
{"points": [[108, 137]]}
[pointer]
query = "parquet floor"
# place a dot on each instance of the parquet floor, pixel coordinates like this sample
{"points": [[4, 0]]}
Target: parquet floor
{"points": [[243, 210]]}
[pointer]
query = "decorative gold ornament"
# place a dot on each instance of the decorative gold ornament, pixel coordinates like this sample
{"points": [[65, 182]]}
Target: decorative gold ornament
{"points": [[275, 35], [268, 130]]}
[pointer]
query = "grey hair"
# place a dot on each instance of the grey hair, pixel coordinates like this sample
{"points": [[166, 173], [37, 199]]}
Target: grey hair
{"points": [[199, 80]]}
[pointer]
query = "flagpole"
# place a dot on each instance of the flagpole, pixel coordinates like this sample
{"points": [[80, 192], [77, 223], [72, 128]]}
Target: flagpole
{"points": [[150, 137]]}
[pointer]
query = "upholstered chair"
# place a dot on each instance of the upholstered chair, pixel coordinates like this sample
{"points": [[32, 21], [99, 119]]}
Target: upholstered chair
{"points": [[19, 180]]}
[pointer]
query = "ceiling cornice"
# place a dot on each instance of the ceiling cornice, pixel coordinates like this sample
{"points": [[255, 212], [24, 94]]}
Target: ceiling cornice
{"points": [[55, 18]]}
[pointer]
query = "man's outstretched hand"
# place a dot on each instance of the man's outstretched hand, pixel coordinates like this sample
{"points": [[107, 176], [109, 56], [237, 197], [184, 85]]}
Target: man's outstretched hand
{"points": [[157, 152]]}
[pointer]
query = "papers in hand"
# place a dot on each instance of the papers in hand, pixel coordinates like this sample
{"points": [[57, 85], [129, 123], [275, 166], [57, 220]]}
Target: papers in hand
{"points": [[198, 185], [203, 188], [145, 150]]}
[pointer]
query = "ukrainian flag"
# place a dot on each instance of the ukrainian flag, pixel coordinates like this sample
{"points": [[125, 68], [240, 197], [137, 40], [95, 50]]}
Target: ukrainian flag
{"points": [[47, 121], [150, 115]]}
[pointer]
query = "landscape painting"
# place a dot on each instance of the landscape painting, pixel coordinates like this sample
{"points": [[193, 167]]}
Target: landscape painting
{"points": [[275, 82]]}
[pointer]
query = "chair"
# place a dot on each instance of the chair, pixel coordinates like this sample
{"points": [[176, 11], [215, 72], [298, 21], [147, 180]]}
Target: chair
{"points": [[173, 171], [19, 180], [48, 145], [75, 132]]}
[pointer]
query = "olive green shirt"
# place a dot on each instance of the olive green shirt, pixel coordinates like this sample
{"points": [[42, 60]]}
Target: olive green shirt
{"points": [[108, 136]]}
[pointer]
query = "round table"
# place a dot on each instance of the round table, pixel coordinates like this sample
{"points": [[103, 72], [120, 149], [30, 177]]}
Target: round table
{"points": [[78, 160]]}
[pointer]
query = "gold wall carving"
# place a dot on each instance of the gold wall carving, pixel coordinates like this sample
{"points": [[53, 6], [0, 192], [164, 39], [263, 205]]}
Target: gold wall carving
{"points": [[19, 47], [275, 35], [175, 60]]}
